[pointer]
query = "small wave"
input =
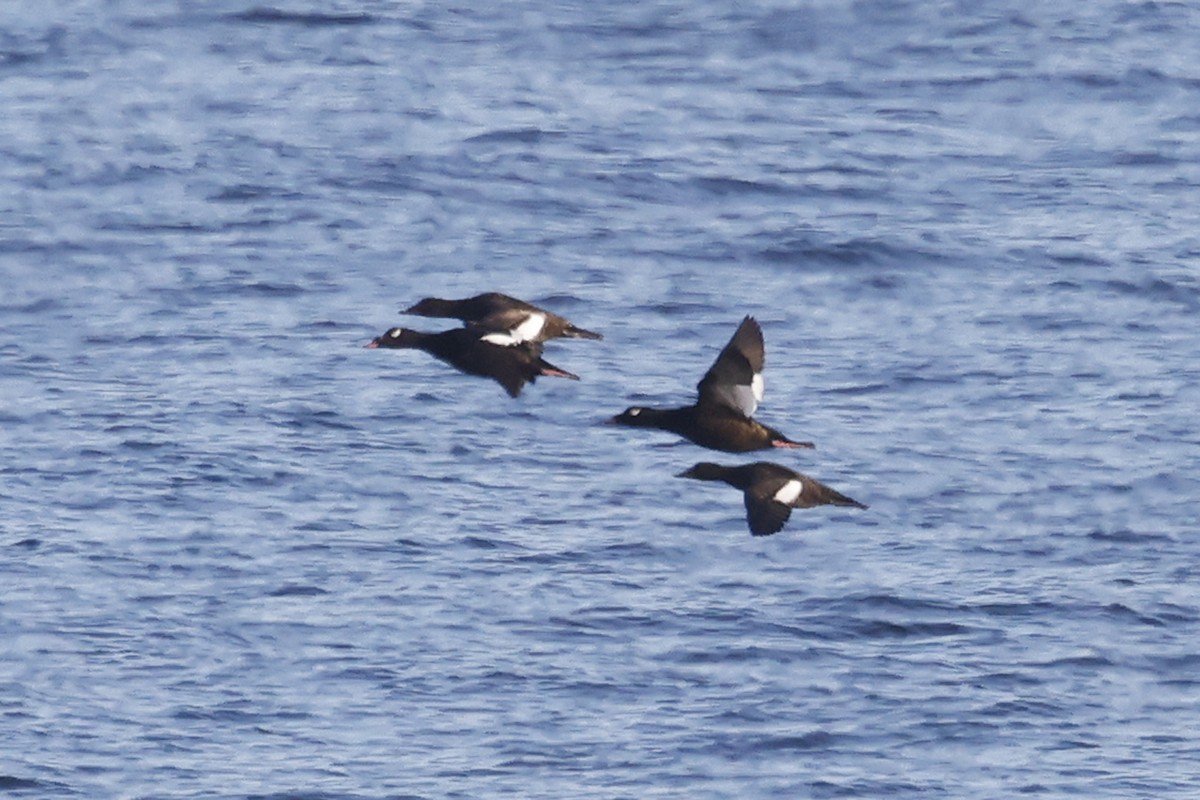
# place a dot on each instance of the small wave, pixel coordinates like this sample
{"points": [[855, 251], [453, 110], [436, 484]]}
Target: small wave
{"points": [[857, 389], [814, 740], [735, 186], [13, 782], [307, 794], [1123, 612], [483, 543], [887, 629], [519, 135], [273, 16], [329, 420], [890, 601], [380, 676], [629, 549], [734, 655], [1126, 535], [1024, 708], [1088, 660], [1074, 259], [1157, 288], [871, 788], [267, 288], [250, 191], [233, 715], [17, 58], [297, 590], [39, 306], [811, 251], [1055, 321]]}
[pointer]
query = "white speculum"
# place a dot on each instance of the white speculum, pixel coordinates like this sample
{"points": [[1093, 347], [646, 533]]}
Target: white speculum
{"points": [[789, 492]]}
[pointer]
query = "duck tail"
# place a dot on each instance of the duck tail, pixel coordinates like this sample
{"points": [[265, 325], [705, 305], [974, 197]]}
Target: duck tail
{"points": [[784, 442], [548, 369], [574, 332], [836, 498]]}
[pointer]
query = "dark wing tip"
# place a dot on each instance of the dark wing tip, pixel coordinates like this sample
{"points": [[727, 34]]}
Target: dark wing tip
{"points": [[764, 515], [747, 341]]}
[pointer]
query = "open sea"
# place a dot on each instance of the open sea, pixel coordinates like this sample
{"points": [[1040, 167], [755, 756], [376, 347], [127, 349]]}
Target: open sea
{"points": [[243, 557]]}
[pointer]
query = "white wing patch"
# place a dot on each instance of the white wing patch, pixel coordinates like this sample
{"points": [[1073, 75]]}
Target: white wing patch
{"points": [[741, 397], [757, 386], [526, 330], [529, 328], [504, 339], [790, 492]]}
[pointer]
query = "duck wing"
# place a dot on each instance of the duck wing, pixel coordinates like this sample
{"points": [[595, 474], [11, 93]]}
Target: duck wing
{"points": [[735, 378], [513, 326], [764, 513]]}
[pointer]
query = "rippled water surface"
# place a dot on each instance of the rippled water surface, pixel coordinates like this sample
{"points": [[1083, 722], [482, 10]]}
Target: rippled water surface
{"points": [[241, 556]]}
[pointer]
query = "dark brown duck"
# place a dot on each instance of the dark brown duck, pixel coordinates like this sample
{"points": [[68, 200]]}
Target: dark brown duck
{"points": [[771, 492], [467, 349], [507, 319], [727, 396]]}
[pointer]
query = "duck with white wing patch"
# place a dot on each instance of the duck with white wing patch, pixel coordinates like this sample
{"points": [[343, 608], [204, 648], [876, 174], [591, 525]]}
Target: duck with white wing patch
{"points": [[770, 492], [727, 396], [509, 320], [469, 350]]}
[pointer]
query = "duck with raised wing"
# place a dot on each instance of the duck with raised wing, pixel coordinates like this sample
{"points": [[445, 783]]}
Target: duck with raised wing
{"points": [[727, 396], [469, 350], [508, 320], [770, 492]]}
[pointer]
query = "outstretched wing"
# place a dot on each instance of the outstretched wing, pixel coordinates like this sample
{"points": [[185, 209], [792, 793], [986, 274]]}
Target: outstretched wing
{"points": [[735, 378], [765, 514]]}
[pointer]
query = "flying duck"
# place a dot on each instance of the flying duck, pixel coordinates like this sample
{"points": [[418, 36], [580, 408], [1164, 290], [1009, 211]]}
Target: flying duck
{"points": [[507, 319], [469, 350], [727, 396], [770, 492]]}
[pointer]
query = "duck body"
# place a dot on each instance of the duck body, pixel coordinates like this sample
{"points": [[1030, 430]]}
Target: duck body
{"points": [[467, 350], [710, 425], [770, 492], [726, 397], [507, 319]]}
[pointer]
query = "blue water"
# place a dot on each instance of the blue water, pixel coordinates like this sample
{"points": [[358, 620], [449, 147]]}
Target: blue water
{"points": [[241, 556]]}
